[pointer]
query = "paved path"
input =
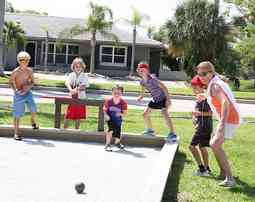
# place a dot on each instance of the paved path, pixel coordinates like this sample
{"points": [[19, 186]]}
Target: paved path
{"points": [[46, 171], [177, 106]]}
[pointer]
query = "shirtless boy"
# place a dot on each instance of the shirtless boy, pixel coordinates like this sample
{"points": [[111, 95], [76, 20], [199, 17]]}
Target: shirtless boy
{"points": [[21, 81]]}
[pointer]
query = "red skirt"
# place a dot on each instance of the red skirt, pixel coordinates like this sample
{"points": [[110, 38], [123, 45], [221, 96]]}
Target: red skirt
{"points": [[75, 112]]}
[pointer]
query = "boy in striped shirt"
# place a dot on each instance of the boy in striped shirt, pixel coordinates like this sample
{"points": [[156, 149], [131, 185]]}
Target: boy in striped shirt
{"points": [[160, 100]]}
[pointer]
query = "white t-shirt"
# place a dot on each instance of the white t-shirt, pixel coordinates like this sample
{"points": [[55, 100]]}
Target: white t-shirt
{"points": [[78, 80]]}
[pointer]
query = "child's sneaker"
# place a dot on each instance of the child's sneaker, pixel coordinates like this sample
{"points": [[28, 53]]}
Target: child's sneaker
{"points": [[148, 132], [108, 148], [171, 137], [17, 137], [120, 146], [228, 183], [208, 170], [201, 173], [35, 126]]}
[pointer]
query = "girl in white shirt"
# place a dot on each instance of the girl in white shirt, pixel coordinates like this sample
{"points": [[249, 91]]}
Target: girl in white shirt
{"points": [[77, 82]]}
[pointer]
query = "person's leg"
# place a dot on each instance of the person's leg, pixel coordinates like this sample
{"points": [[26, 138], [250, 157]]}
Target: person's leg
{"points": [[66, 122], [33, 109], [204, 155], [77, 124], [216, 144], [147, 118], [168, 120], [117, 136], [18, 111], [16, 128], [196, 154], [108, 137], [117, 140]]}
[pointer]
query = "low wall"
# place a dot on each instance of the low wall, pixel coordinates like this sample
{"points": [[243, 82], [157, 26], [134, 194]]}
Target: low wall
{"points": [[172, 75]]}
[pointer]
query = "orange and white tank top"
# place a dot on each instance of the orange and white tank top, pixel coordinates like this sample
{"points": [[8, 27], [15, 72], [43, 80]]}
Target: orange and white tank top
{"points": [[234, 116]]}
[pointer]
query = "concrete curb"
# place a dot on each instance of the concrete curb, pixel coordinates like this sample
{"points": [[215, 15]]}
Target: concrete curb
{"points": [[80, 136], [135, 94]]}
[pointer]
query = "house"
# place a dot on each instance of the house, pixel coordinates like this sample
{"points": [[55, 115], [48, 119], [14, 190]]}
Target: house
{"points": [[110, 59]]}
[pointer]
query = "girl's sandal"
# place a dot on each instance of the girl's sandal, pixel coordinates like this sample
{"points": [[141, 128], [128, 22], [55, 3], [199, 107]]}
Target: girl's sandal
{"points": [[17, 137], [35, 127]]}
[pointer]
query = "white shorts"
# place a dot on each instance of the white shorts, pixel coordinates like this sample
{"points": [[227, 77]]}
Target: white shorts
{"points": [[229, 130]]}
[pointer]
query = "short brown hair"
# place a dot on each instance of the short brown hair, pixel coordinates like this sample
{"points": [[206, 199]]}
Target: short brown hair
{"points": [[118, 87]]}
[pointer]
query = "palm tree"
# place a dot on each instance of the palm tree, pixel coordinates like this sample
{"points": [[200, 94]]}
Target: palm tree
{"points": [[100, 20], [136, 21], [46, 30], [199, 32], [13, 34], [2, 8]]}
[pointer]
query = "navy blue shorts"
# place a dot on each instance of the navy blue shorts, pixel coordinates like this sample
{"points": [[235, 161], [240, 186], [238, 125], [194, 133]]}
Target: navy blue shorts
{"points": [[201, 139], [116, 129], [157, 104]]}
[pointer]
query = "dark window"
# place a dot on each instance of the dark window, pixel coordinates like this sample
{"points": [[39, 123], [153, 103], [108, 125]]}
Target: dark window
{"points": [[119, 59], [60, 59], [50, 59], [61, 49], [107, 50], [119, 51], [106, 58], [71, 58], [73, 50]]}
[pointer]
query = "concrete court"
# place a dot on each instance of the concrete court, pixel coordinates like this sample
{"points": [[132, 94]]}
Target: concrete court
{"points": [[46, 171]]}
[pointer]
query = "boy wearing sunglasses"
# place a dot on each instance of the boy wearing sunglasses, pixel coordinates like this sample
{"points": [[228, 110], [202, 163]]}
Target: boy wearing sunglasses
{"points": [[161, 100], [21, 81]]}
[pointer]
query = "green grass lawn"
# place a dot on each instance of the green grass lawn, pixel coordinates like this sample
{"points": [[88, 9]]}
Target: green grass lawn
{"points": [[247, 90], [182, 186]]}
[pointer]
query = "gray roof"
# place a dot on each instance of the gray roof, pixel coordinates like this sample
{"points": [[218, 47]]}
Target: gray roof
{"points": [[33, 26]]}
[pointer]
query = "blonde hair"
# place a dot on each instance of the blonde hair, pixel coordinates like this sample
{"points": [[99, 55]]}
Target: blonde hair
{"points": [[23, 54], [80, 61], [206, 65]]}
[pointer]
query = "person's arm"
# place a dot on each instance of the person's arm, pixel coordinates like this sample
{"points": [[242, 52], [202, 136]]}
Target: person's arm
{"points": [[165, 90], [218, 92], [206, 113], [105, 109], [84, 81], [12, 81], [142, 92], [124, 108], [68, 85]]}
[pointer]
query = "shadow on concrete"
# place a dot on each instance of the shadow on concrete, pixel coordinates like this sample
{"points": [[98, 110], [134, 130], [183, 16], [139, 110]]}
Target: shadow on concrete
{"points": [[129, 152], [172, 187], [38, 142]]}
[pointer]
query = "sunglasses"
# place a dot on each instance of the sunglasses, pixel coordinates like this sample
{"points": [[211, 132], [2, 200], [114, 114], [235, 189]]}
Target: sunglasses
{"points": [[203, 74], [23, 60]]}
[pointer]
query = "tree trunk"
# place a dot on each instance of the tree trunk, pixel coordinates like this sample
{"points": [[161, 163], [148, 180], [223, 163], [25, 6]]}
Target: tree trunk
{"points": [[132, 68], [92, 56], [46, 51], [2, 7]]}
